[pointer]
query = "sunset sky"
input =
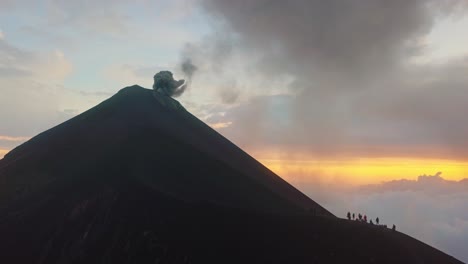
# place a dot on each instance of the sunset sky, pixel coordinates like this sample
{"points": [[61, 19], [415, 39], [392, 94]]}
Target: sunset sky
{"points": [[361, 93], [332, 95]]}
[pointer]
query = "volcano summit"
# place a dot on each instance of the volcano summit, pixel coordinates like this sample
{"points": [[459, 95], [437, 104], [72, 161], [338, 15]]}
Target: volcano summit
{"points": [[138, 179]]}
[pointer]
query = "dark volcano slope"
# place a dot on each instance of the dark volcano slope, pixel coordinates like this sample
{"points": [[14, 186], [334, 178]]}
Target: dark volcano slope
{"points": [[152, 138], [127, 222], [138, 179]]}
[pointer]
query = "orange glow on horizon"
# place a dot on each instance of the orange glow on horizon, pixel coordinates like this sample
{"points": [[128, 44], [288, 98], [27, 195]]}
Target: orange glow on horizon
{"points": [[365, 170], [8, 138], [355, 171], [220, 125], [3, 152]]}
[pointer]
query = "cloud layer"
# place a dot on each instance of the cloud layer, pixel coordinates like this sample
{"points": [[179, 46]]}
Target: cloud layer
{"points": [[351, 71], [430, 208]]}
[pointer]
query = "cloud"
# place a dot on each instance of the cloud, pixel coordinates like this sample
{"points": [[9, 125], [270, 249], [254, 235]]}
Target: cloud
{"points": [[430, 208], [122, 19], [425, 108], [430, 184], [134, 74], [333, 44], [439, 220], [343, 39], [7, 5], [30, 90], [271, 120], [229, 96], [96, 93], [8, 138], [8, 71], [220, 125], [350, 76], [16, 62], [8, 142], [98, 17]]}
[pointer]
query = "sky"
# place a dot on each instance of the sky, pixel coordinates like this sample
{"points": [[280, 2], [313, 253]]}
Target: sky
{"points": [[332, 95]]}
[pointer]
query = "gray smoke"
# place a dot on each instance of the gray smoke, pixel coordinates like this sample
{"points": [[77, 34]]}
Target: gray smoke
{"points": [[209, 57], [229, 93], [165, 84], [188, 68]]}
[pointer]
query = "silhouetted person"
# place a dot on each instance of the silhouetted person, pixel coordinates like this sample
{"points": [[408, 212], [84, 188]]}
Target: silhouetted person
{"points": [[349, 216], [371, 222], [354, 216], [377, 220], [393, 227], [359, 217], [365, 218]]}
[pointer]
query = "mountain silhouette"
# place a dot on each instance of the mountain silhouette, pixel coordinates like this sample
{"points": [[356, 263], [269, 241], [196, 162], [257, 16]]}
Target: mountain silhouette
{"points": [[138, 179]]}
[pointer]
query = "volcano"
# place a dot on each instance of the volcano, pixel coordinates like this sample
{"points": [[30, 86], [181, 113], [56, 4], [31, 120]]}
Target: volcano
{"points": [[138, 179]]}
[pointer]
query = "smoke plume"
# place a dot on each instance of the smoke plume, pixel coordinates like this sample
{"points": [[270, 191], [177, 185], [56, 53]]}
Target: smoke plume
{"points": [[165, 84], [188, 68]]}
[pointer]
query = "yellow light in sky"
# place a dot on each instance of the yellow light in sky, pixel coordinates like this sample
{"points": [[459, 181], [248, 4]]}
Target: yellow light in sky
{"points": [[3, 152], [366, 170]]}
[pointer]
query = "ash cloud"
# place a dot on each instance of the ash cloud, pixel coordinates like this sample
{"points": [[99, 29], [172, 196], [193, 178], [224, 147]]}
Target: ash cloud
{"points": [[188, 68], [210, 57], [165, 84]]}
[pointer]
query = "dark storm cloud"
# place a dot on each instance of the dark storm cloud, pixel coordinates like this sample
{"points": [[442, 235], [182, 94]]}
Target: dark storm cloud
{"points": [[351, 39], [353, 80], [425, 108]]}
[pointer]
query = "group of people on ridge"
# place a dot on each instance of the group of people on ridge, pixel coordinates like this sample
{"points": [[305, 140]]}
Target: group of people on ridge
{"points": [[363, 218]]}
